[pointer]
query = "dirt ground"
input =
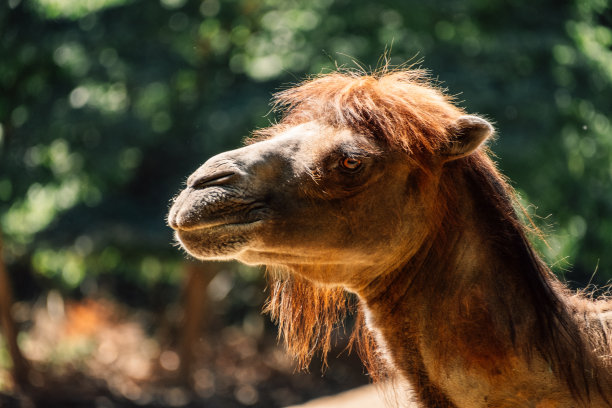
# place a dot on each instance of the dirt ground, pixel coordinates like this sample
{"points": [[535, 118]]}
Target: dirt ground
{"points": [[95, 353]]}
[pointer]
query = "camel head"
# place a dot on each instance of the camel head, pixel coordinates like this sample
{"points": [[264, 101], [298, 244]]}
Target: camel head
{"points": [[342, 189]]}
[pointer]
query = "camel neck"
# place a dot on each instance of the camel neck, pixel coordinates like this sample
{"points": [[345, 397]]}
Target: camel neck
{"points": [[429, 314], [413, 320], [473, 319]]}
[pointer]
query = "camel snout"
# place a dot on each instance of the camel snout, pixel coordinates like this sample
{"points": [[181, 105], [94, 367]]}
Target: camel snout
{"points": [[215, 194], [173, 220], [209, 180], [217, 171]]}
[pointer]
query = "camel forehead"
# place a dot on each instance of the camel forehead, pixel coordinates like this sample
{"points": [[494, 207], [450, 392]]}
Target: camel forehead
{"points": [[317, 138], [314, 130]]}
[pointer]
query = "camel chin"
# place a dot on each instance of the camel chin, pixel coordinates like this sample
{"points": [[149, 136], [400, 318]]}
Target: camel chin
{"points": [[218, 242]]}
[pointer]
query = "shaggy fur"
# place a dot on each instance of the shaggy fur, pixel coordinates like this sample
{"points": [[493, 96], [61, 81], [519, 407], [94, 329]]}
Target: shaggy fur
{"points": [[451, 293]]}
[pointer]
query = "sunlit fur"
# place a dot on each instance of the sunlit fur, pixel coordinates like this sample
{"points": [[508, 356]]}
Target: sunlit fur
{"points": [[406, 111], [401, 107], [451, 295], [308, 314]]}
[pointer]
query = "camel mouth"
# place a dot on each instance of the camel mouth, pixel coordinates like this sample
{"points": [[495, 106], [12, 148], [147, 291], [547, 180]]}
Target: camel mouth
{"points": [[218, 233], [194, 210], [222, 226], [218, 241]]}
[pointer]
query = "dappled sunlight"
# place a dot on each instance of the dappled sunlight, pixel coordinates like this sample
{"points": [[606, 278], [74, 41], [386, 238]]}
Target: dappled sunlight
{"points": [[106, 105], [108, 98], [73, 8], [72, 57], [110, 347]]}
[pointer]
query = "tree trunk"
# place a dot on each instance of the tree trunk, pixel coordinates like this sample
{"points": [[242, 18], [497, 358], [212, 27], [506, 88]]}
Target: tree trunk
{"points": [[7, 324], [194, 309]]}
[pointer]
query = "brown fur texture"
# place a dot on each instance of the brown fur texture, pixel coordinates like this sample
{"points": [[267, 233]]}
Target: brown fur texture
{"points": [[308, 327], [425, 231]]}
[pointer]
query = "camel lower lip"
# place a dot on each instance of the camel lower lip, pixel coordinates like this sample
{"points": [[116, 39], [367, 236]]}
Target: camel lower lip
{"points": [[225, 226]]}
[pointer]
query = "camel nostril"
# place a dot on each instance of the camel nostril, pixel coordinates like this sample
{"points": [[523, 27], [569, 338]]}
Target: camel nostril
{"points": [[216, 179]]}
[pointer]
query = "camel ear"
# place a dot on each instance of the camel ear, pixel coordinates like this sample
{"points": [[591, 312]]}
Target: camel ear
{"points": [[469, 132]]}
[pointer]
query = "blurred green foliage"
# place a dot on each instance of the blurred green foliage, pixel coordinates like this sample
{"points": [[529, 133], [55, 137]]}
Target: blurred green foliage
{"points": [[106, 106]]}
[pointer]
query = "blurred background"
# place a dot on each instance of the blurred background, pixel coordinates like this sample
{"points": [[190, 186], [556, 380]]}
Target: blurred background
{"points": [[106, 106]]}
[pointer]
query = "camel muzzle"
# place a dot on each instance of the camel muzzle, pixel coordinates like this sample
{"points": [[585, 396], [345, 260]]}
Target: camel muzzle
{"points": [[219, 193]]}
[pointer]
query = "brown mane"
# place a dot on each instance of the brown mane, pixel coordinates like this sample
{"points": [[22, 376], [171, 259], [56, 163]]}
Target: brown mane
{"points": [[400, 107], [405, 110], [308, 315]]}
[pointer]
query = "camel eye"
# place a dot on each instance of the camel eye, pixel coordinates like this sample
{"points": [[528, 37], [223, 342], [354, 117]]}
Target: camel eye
{"points": [[350, 163]]}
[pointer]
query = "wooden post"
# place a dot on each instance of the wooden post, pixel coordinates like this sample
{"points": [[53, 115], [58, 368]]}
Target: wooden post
{"points": [[195, 297], [20, 369]]}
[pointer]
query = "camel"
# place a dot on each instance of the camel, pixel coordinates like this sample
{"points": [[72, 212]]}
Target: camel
{"points": [[378, 187]]}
